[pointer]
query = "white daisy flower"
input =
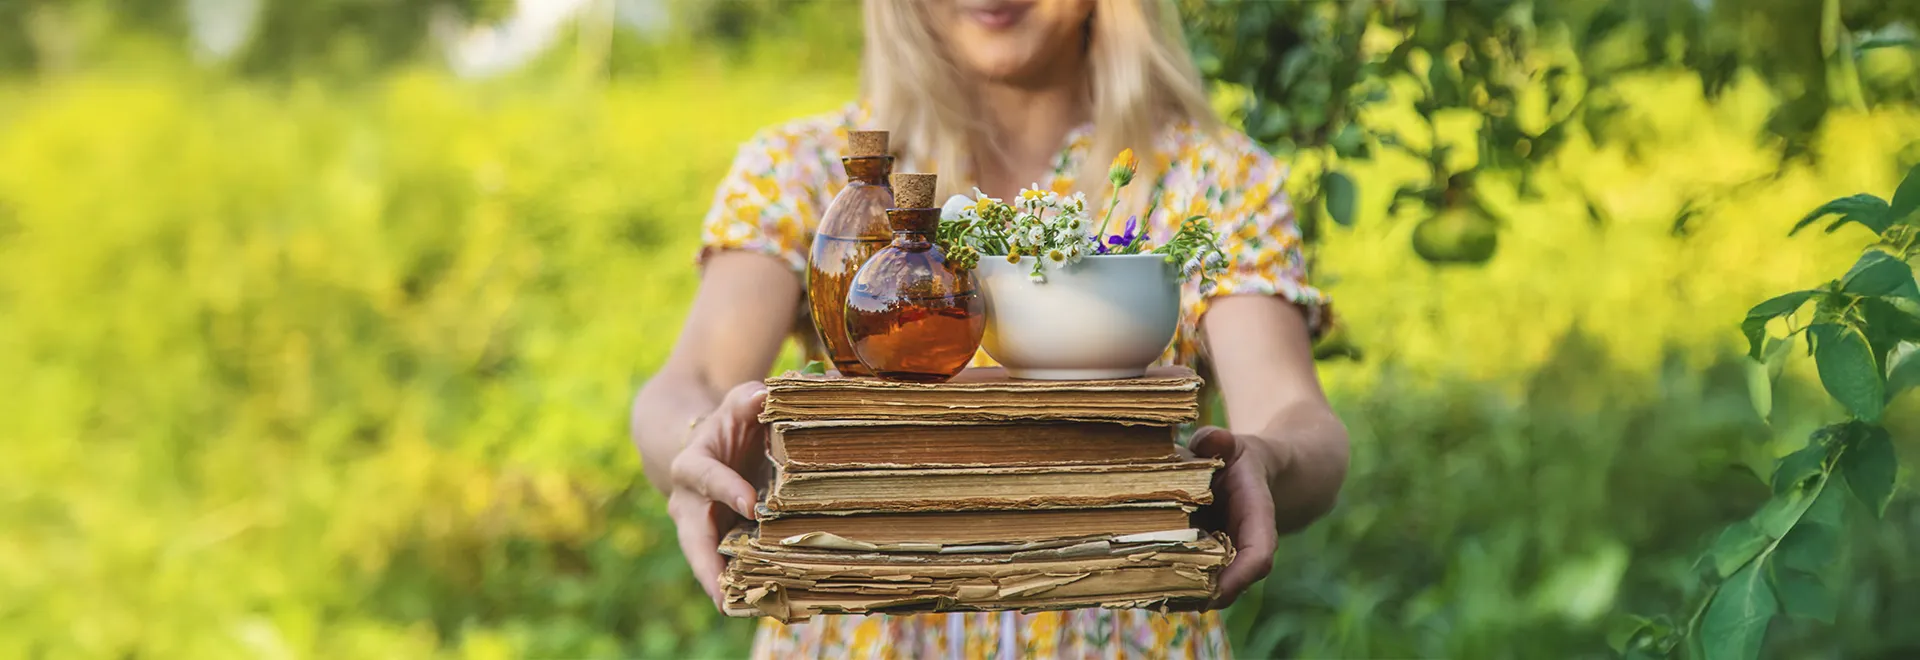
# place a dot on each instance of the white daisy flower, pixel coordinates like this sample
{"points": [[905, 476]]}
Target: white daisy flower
{"points": [[1056, 257]]}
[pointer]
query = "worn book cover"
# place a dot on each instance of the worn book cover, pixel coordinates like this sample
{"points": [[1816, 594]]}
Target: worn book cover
{"points": [[870, 444], [1165, 396]]}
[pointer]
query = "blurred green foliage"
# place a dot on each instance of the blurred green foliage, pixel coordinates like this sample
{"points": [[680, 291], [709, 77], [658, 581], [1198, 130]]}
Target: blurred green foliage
{"points": [[1303, 76], [312, 369]]}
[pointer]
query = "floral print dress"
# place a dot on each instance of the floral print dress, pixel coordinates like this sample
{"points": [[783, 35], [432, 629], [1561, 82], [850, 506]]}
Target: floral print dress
{"points": [[782, 180]]}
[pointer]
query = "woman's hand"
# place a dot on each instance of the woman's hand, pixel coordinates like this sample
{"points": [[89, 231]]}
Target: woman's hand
{"points": [[711, 492], [1287, 453], [1242, 506]]}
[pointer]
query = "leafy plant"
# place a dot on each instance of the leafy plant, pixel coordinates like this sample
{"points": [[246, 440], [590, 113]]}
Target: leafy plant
{"points": [[1862, 333]]}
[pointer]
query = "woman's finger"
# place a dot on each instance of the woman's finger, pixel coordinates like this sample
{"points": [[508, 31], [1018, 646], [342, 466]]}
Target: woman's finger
{"points": [[1250, 522], [1213, 442], [701, 473], [744, 402], [699, 541]]}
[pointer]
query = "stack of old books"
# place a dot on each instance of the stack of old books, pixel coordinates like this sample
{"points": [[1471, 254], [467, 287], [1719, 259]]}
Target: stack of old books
{"points": [[981, 493]]}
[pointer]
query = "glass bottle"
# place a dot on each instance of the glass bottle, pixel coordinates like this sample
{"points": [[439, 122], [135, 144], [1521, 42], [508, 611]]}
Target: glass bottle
{"points": [[853, 228], [910, 317]]}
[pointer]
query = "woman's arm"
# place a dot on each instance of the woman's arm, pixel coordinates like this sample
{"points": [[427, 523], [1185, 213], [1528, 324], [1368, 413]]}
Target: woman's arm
{"points": [[1286, 452], [741, 314]]}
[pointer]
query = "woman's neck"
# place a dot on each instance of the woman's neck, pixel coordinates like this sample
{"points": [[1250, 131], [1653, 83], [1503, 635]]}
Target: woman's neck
{"points": [[1026, 125]]}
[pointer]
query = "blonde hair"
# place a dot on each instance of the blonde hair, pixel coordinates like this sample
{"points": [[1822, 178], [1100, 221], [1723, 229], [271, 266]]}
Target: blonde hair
{"points": [[1140, 80]]}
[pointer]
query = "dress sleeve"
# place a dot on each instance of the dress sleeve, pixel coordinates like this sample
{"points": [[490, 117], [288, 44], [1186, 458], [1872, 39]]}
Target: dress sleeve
{"points": [[769, 200], [1242, 190]]}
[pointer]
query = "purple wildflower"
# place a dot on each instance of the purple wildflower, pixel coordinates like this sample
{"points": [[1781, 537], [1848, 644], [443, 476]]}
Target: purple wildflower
{"points": [[1126, 237]]}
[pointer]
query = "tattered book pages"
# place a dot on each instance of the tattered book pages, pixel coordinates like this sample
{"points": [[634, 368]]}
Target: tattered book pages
{"points": [[1173, 569], [865, 444], [978, 526]]}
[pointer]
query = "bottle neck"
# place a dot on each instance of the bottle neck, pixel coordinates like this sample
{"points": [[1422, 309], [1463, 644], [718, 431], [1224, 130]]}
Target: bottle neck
{"points": [[913, 228], [870, 170]]}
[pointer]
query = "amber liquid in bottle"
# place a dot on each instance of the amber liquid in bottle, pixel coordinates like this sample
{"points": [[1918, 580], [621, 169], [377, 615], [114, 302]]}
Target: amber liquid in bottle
{"points": [[854, 228], [910, 317]]}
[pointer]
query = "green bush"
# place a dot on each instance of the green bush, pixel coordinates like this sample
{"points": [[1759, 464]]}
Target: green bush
{"points": [[317, 371]]}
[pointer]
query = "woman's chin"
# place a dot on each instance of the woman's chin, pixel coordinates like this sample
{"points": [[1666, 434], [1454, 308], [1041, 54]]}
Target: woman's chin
{"points": [[1010, 70]]}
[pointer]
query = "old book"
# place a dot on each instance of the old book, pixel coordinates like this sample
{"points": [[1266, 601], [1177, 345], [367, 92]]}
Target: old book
{"points": [[1164, 396], [858, 444], [949, 527], [795, 584], [951, 489]]}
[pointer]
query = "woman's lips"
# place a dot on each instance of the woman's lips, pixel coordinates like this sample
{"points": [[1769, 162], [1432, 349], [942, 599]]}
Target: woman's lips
{"points": [[998, 16]]}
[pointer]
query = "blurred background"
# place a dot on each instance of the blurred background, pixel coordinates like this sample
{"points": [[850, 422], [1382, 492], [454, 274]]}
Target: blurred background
{"points": [[319, 319]]}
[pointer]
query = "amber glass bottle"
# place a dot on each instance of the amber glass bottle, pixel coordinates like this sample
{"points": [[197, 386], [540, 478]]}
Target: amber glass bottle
{"points": [[853, 228], [910, 317]]}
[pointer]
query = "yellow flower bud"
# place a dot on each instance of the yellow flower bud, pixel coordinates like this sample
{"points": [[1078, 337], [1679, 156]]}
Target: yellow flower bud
{"points": [[1124, 167]]}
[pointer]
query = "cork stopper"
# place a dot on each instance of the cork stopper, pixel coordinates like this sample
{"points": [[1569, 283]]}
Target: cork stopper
{"points": [[867, 143], [912, 190]]}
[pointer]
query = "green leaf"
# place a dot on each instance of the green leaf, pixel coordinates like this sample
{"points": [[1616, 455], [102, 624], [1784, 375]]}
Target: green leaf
{"points": [[1884, 42], [1738, 544], [1887, 327], [1802, 594], [1760, 388], [1903, 369], [814, 368], [1777, 351], [1827, 508], [1887, 324], [1880, 274], [1736, 620], [1863, 208], [1781, 513], [1848, 370], [1350, 142], [1796, 468], [1906, 199], [1444, 89], [1813, 545], [1633, 633], [1868, 464], [1755, 325], [1341, 197]]}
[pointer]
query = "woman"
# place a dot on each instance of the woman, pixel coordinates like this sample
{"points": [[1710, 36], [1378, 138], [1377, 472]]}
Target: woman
{"points": [[986, 93]]}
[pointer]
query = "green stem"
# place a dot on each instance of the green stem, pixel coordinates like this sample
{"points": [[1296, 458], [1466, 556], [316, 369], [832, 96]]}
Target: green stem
{"points": [[1111, 205]]}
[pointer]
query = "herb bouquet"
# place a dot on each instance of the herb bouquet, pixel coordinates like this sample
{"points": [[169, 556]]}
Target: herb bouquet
{"points": [[1065, 299]]}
